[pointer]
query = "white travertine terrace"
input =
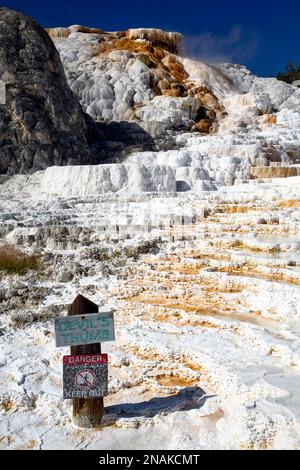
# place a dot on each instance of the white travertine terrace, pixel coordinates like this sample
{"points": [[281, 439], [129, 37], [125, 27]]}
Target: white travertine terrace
{"points": [[196, 247], [208, 325], [91, 180]]}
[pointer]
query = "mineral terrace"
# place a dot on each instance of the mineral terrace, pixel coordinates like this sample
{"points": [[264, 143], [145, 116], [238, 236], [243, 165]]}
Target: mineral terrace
{"points": [[187, 226]]}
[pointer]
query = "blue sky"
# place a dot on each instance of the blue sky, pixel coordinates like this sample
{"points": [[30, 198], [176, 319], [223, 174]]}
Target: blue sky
{"points": [[264, 35]]}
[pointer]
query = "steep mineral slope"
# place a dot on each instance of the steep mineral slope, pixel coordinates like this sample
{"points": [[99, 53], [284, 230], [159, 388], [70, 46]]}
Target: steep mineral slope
{"points": [[207, 317], [42, 123], [213, 122], [116, 75], [134, 75]]}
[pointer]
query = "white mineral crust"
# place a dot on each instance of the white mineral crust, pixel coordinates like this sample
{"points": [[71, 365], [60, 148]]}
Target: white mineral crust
{"points": [[200, 261]]}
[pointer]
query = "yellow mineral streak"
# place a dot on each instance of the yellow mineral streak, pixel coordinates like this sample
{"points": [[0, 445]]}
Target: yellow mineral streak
{"points": [[168, 40], [274, 171]]}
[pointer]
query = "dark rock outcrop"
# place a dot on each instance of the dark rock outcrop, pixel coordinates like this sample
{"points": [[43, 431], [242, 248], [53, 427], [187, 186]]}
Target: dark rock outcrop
{"points": [[41, 123]]}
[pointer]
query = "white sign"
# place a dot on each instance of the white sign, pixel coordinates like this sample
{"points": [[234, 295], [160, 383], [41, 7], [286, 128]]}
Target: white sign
{"points": [[84, 329]]}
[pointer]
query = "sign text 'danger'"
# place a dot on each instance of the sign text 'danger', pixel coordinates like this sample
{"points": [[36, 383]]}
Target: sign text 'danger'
{"points": [[84, 329], [85, 359]]}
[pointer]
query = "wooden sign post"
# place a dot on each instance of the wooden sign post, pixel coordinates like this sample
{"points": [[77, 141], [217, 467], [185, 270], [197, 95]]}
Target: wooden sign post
{"points": [[87, 412]]}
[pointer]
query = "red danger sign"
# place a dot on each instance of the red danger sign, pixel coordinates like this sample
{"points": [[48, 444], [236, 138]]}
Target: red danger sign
{"points": [[85, 359], [85, 376]]}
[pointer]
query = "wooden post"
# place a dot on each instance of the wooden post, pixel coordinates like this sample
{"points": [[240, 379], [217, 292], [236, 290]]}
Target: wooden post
{"points": [[87, 412]]}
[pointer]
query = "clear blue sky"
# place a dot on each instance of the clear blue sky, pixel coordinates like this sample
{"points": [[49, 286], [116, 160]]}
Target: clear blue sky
{"points": [[262, 34]]}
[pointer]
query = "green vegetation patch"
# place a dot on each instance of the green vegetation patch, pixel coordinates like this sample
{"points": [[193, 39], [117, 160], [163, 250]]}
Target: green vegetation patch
{"points": [[291, 74], [14, 261]]}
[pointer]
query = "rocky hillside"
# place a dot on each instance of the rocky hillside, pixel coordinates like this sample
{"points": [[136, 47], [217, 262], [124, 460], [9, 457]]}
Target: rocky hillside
{"points": [[41, 123]]}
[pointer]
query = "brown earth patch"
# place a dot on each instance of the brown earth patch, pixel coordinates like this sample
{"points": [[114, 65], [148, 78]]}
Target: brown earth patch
{"points": [[245, 271], [7, 405], [172, 380], [288, 203]]}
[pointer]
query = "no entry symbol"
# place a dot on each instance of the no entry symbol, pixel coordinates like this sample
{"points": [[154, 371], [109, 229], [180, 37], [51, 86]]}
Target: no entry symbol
{"points": [[85, 378]]}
